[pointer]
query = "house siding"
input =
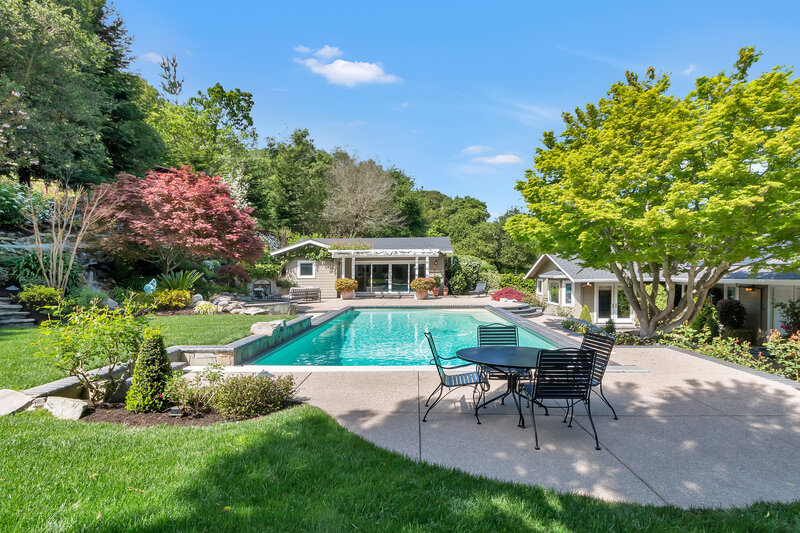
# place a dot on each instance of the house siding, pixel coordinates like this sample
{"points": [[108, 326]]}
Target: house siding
{"points": [[324, 276]]}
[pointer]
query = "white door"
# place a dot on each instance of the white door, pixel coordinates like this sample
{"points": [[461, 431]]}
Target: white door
{"points": [[779, 295], [612, 303]]}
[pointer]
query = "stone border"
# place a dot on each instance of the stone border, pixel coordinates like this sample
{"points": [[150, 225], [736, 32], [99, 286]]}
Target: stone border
{"points": [[241, 350], [533, 327], [70, 387]]}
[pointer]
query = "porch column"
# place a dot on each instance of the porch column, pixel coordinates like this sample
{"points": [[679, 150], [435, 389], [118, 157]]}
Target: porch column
{"points": [[342, 269], [416, 266], [353, 266], [427, 267]]}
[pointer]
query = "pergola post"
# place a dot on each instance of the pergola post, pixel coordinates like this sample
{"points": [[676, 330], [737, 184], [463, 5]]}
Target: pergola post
{"points": [[416, 266], [353, 266], [427, 267]]}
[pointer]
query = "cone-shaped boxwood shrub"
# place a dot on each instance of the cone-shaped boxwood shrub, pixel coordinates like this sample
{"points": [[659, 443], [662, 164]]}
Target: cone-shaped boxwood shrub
{"points": [[585, 314], [150, 375]]}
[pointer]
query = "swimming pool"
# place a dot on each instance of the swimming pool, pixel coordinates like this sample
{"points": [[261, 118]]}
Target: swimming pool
{"points": [[389, 337]]}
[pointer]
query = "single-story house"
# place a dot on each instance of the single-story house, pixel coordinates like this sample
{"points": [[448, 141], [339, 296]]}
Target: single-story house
{"points": [[568, 284], [380, 265]]}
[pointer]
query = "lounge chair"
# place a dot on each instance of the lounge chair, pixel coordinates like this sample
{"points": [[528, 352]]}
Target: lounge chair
{"points": [[453, 381], [564, 374], [602, 345], [480, 288]]}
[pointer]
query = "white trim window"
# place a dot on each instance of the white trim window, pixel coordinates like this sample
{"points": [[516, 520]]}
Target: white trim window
{"points": [[567, 293], [553, 291], [306, 269], [539, 286]]}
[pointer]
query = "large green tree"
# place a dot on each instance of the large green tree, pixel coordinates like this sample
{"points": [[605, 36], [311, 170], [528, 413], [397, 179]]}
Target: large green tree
{"points": [[54, 63], [286, 184], [657, 188]]}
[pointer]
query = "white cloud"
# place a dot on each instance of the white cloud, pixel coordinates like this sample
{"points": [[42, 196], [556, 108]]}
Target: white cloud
{"points": [[500, 159], [151, 57], [356, 123], [615, 62], [349, 73], [188, 52], [328, 52], [688, 70], [302, 49], [476, 149]]}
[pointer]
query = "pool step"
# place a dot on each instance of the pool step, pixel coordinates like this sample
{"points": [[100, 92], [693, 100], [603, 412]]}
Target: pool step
{"points": [[526, 311]]}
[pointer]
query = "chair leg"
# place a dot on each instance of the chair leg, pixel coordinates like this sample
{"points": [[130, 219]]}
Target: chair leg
{"points": [[603, 396], [438, 398], [437, 389], [535, 432], [571, 414], [478, 387], [588, 403], [566, 414]]}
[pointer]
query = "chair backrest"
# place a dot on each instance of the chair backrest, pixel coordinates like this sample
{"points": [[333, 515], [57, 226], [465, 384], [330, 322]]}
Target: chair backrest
{"points": [[497, 335], [602, 346], [564, 374], [435, 353], [480, 286]]}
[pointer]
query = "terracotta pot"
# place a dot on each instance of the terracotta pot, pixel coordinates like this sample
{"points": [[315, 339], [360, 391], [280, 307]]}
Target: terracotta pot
{"points": [[348, 295], [445, 292], [422, 295], [436, 291]]}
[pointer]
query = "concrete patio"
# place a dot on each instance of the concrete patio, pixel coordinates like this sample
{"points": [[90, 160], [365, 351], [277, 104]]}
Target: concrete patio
{"points": [[692, 432]]}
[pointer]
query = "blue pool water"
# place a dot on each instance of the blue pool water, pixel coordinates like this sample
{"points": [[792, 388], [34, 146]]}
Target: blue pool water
{"points": [[389, 337]]}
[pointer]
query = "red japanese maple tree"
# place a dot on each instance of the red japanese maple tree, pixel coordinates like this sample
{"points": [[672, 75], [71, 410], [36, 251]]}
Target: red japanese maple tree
{"points": [[177, 215]]}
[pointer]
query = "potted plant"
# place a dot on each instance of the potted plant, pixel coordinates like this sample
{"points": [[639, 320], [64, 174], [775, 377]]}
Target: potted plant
{"points": [[421, 286], [346, 286], [445, 291], [437, 282]]}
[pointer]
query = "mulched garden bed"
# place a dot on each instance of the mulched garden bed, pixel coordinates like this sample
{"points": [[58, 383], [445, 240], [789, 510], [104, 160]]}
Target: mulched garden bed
{"points": [[117, 414]]}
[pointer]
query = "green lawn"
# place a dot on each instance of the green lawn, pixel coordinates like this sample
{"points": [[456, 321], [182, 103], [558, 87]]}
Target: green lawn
{"points": [[20, 369], [296, 470]]}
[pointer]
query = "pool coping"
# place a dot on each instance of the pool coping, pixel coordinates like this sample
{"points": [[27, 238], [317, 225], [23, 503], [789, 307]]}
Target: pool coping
{"points": [[537, 329]]}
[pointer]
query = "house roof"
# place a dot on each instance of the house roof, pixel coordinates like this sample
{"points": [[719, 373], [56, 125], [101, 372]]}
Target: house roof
{"points": [[576, 272], [442, 244]]}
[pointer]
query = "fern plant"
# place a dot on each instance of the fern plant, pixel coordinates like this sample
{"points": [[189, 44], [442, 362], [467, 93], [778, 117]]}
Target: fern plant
{"points": [[179, 281]]}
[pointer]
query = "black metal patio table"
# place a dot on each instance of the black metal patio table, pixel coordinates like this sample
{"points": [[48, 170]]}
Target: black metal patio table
{"points": [[508, 360]]}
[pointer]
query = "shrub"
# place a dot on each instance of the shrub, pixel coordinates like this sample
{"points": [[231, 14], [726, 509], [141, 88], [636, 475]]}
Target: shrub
{"points": [[422, 284], [519, 282], [785, 353], [205, 308], [91, 338], [13, 199], [87, 296], [194, 395], [585, 314], [234, 275], [462, 272], [492, 279], [248, 396], [150, 375], [791, 315], [437, 281], [731, 313], [207, 289], [179, 281], [740, 334], [172, 299], [610, 327], [27, 271], [345, 284], [285, 283], [574, 325], [38, 297], [706, 320], [534, 301], [509, 294]]}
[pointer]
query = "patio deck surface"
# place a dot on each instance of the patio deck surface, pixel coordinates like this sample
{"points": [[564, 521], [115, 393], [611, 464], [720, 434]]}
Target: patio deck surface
{"points": [[691, 433]]}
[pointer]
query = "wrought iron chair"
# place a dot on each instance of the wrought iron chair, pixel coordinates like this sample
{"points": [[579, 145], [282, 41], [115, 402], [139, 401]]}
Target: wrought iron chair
{"points": [[480, 288], [498, 335], [602, 346], [564, 374], [453, 381]]}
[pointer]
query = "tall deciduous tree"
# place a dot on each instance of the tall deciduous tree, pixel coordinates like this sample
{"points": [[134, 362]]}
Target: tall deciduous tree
{"points": [[359, 200], [653, 187], [178, 215]]}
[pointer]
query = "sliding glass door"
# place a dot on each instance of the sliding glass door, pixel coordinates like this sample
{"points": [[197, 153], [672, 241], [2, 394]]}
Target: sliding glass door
{"points": [[380, 277], [400, 279]]}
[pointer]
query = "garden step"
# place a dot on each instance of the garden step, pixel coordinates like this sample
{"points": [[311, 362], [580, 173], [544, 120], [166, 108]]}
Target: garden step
{"points": [[5, 300], [16, 322], [12, 314], [9, 307]]}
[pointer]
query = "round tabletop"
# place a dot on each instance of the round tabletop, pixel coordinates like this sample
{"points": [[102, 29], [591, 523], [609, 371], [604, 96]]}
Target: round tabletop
{"points": [[502, 356]]}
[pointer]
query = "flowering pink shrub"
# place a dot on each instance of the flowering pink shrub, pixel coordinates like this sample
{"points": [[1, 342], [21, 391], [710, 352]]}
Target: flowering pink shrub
{"points": [[509, 293]]}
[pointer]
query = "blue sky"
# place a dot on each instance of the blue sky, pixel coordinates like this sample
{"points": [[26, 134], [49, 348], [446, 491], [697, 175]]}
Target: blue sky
{"points": [[457, 94]]}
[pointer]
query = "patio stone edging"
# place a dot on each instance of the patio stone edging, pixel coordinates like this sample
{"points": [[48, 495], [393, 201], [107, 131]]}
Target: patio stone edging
{"points": [[533, 327], [239, 351]]}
